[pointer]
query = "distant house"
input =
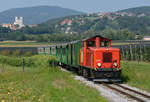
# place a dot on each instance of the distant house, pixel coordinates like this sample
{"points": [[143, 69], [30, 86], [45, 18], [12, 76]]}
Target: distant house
{"points": [[146, 38], [32, 25], [66, 21], [11, 26], [69, 22]]}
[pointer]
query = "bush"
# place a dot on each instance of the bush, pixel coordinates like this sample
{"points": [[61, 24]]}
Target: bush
{"points": [[5, 52], [34, 61]]}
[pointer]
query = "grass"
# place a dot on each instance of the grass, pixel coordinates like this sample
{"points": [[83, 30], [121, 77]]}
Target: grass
{"points": [[43, 84], [137, 74]]}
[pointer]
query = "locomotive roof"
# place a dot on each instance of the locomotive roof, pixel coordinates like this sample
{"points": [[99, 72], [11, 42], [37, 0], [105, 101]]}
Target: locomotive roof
{"points": [[95, 37]]}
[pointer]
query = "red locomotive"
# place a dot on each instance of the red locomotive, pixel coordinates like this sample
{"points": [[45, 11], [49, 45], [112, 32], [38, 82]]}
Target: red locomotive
{"points": [[99, 61], [93, 58]]}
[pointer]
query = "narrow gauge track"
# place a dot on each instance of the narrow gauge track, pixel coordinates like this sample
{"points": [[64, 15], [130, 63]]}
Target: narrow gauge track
{"points": [[121, 91], [127, 94]]}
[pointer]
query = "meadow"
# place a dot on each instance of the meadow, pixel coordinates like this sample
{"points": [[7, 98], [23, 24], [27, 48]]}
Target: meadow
{"points": [[136, 74], [41, 82]]}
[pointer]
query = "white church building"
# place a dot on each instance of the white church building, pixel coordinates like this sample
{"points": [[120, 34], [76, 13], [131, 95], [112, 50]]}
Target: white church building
{"points": [[19, 22]]}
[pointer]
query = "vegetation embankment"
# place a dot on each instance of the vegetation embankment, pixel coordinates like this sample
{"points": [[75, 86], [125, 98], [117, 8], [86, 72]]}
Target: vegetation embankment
{"points": [[33, 61], [136, 74], [40, 82]]}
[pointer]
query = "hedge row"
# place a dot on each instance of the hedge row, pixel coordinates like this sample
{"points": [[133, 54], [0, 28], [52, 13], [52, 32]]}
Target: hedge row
{"points": [[35, 61]]}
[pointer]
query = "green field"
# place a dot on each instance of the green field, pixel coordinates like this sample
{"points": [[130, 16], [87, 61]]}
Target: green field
{"points": [[137, 74], [43, 84]]}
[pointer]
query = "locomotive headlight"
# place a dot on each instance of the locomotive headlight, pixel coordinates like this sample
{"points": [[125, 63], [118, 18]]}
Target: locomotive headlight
{"points": [[99, 64], [115, 64]]}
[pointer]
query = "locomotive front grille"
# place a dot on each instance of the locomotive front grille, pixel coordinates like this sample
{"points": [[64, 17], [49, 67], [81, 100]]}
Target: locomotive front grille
{"points": [[107, 57]]}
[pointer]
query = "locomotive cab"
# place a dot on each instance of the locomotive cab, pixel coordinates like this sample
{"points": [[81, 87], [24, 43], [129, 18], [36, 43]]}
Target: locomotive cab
{"points": [[99, 60]]}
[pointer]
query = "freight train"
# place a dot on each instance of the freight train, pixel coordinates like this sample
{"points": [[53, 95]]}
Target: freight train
{"points": [[93, 58]]}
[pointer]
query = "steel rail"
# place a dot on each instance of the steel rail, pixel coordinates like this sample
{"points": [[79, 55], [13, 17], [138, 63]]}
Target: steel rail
{"points": [[137, 92], [124, 93]]}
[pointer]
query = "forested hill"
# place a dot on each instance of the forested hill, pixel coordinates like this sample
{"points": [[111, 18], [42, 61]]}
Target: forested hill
{"points": [[138, 10], [120, 25], [36, 15]]}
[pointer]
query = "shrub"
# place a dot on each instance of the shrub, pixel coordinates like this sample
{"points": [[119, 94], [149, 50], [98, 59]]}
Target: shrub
{"points": [[29, 53], [5, 52], [16, 53]]}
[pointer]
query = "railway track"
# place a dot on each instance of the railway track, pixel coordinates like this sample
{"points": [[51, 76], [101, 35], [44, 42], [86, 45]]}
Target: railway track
{"points": [[123, 90], [128, 94]]}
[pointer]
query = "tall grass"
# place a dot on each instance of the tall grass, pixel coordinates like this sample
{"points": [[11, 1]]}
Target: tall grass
{"points": [[136, 74]]}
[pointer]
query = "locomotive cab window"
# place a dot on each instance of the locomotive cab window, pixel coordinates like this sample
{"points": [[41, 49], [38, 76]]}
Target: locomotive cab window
{"points": [[104, 43], [91, 44]]}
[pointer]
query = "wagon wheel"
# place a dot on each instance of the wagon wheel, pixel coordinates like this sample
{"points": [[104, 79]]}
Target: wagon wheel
{"points": [[80, 71], [91, 75], [85, 74]]}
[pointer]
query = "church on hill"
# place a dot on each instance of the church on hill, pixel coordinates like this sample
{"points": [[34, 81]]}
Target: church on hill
{"points": [[18, 24]]}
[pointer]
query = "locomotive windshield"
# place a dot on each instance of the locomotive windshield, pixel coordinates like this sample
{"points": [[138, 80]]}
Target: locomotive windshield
{"points": [[91, 44], [104, 43]]}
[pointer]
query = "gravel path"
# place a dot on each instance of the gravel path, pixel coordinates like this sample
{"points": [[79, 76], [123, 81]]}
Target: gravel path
{"points": [[111, 95]]}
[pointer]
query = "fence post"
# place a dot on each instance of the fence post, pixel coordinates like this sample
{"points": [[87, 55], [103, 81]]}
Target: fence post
{"points": [[127, 55], [123, 53], [141, 52], [131, 53], [23, 64], [52, 63]]}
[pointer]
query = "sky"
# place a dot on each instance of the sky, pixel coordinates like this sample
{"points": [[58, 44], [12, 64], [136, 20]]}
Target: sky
{"points": [[87, 6]]}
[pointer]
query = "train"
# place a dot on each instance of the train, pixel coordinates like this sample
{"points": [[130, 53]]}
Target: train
{"points": [[93, 58]]}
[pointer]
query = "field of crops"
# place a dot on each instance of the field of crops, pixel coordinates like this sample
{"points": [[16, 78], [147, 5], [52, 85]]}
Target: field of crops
{"points": [[41, 82]]}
